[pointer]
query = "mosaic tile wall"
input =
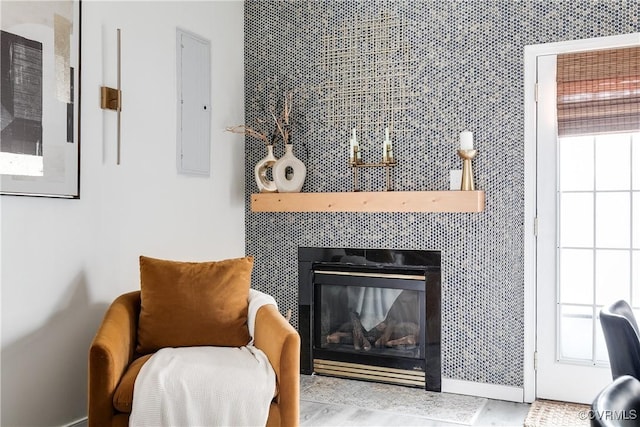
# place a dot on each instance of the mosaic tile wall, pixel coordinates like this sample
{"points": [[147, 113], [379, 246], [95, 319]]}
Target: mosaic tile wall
{"points": [[469, 76]]}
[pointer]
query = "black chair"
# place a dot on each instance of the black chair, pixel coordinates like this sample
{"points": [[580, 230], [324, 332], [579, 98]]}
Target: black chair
{"points": [[618, 404], [623, 340]]}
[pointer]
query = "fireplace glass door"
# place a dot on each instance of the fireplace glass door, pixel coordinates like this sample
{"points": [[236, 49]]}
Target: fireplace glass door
{"points": [[380, 316], [380, 321]]}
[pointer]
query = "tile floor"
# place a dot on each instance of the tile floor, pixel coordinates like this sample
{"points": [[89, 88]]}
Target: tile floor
{"points": [[328, 401], [495, 413]]}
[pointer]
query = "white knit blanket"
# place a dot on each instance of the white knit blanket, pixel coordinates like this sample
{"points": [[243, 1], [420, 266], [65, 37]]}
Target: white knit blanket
{"points": [[206, 386]]}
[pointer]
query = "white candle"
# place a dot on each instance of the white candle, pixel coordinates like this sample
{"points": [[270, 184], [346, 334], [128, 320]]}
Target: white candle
{"points": [[354, 154], [351, 152], [386, 146], [466, 140]]}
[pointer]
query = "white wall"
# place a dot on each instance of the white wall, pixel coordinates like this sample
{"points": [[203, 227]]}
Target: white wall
{"points": [[64, 261]]}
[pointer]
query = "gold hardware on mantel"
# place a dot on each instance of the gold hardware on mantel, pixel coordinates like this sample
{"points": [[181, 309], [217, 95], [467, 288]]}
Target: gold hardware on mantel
{"points": [[355, 162], [467, 170], [111, 99]]}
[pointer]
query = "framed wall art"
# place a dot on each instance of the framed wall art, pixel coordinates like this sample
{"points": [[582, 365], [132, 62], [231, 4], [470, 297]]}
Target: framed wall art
{"points": [[40, 98]]}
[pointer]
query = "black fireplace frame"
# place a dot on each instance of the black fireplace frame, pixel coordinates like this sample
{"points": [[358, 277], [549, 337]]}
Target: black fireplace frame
{"points": [[388, 261]]}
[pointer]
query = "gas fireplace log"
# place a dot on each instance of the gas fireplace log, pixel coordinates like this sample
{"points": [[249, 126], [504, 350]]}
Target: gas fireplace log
{"points": [[359, 340], [391, 332], [387, 329], [338, 337], [341, 335], [408, 340], [404, 333], [386, 334], [397, 333]]}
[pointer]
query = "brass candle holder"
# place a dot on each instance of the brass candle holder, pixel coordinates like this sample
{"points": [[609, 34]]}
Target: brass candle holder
{"points": [[467, 171], [355, 162]]}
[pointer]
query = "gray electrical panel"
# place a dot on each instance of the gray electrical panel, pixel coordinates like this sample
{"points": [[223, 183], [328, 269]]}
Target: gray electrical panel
{"points": [[193, 57]]}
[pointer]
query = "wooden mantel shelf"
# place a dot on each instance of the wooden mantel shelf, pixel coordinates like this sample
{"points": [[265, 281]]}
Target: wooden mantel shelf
{"points": [[363, 201]]}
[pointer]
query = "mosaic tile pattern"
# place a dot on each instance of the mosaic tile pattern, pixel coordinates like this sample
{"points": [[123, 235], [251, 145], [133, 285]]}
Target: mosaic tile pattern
{"points": [[469, 76]]}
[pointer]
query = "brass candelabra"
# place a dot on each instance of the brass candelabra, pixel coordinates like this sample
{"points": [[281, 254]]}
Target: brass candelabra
{"points": [[355, 162]]}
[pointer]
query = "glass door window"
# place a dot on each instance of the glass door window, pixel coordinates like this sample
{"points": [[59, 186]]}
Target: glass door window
{"points": [[598, 238]]}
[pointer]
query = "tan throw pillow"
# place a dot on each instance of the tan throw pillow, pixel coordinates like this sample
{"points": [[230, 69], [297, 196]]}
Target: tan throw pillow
{"points": [[193, 303]]}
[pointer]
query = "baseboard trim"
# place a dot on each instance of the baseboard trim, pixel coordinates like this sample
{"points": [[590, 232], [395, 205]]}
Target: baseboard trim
{"points": [[79, 422], [491, 391]]}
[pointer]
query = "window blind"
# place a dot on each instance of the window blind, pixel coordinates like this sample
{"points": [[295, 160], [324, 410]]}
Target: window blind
{"points": [[598, 92]]}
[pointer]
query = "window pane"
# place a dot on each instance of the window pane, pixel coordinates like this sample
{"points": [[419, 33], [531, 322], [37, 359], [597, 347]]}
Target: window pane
{"points": [[576, 276], [612, 162], [612, 276], [576, 163], [612, 220], [576, 334], [576, 220]]}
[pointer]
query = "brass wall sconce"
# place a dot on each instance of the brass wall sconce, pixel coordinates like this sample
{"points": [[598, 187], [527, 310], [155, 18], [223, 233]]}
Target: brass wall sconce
{"points": [[111, 99]]}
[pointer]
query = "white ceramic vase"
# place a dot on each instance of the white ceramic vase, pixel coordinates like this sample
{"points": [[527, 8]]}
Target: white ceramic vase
{"points": [[289, 172], [266, 185]]}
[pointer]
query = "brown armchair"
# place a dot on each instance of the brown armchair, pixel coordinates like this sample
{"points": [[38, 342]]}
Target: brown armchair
{"points": [[114, 363]]}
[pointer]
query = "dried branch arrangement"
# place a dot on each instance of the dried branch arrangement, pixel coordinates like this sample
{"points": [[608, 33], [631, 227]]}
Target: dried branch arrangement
{"points": [[248, 132], [280, 118]]}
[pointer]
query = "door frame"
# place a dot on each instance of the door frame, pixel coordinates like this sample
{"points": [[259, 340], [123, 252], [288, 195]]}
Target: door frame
{"points": [[531, 54]]}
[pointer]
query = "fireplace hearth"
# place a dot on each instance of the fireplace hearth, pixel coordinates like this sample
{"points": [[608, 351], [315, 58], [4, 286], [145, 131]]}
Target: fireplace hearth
{"points": [[371, 314]]}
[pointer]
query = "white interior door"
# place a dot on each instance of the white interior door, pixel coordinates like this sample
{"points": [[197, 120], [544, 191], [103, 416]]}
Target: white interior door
{"points": [[588, 232]]}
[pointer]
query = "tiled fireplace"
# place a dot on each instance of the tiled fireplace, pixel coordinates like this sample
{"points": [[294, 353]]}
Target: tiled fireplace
{"points": [[371, 314]]}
